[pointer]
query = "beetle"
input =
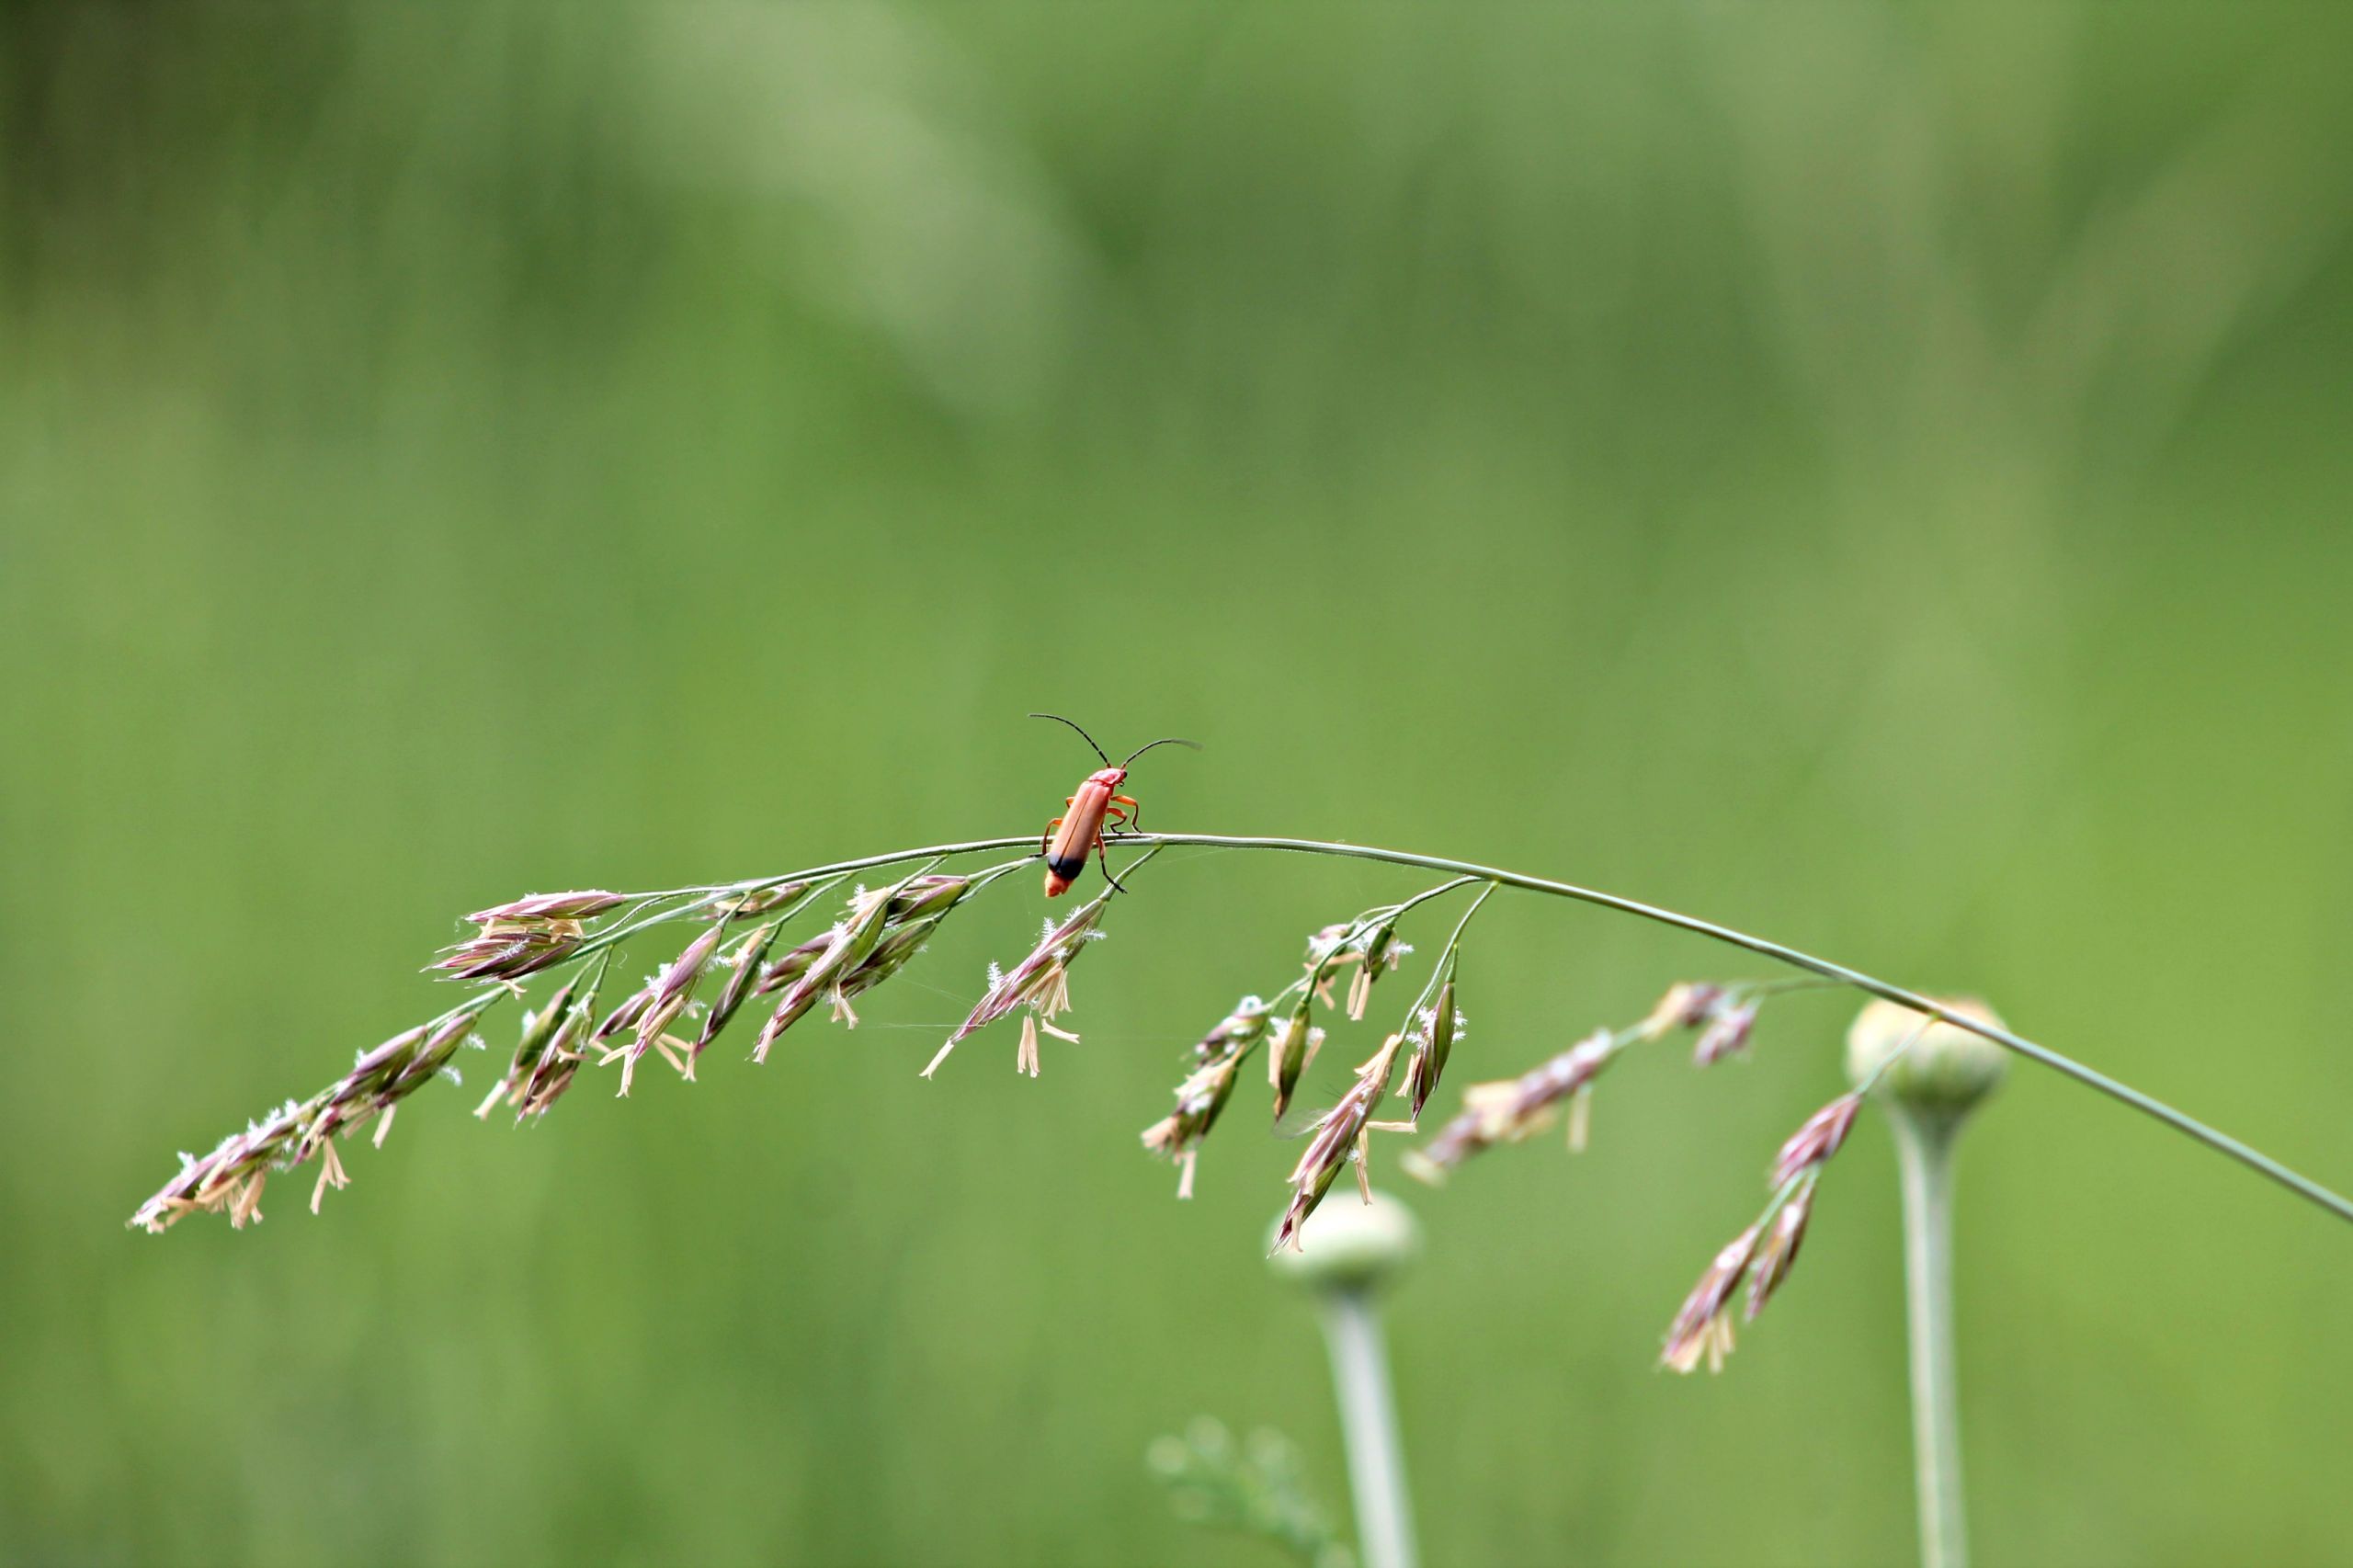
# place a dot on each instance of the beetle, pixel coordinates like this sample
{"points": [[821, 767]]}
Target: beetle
{"points": [[1080, 828]]}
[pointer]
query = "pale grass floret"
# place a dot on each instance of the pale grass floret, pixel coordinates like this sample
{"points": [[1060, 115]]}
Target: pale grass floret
{"points": [[1377, 955], [331, 1174]]}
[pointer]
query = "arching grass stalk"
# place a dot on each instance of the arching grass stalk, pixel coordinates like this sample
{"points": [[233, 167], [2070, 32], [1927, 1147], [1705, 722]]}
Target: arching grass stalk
{"points": [[883, 930], [2148, 1104]]}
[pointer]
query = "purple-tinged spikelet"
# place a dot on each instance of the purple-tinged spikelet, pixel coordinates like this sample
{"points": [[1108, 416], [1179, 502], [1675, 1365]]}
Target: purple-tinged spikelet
{"points": [[1509, 1111], [539, 1032], [1797, 1171], [1292, 1048], [1433, 1037], [1339, 1134], [1686, 1006], [1779, 1254], [1727, 1032], [666, 998], [845, 947], [551, 907], [753, 904], [230, 1180], [1813, 1145], [1039, 982], [1703, 1326], [743, 963]]}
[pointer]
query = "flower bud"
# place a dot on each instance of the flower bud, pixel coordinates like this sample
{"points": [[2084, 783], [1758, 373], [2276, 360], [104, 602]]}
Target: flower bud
{"points": [[1941, 1068], [1353, 1246]]}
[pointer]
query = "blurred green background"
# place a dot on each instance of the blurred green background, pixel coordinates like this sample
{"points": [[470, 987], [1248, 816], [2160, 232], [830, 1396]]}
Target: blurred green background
{"points": [[1876, 474]]}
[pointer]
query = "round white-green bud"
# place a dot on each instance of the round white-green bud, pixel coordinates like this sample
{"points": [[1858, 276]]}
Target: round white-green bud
{"points": [[1945, 1071], [1350, 1245]]}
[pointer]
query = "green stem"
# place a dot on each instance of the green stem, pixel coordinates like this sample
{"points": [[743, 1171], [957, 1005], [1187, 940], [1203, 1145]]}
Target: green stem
{"points": [[1369, 1427], [2221, 1142], [1439, 970], [1924, 1143]]}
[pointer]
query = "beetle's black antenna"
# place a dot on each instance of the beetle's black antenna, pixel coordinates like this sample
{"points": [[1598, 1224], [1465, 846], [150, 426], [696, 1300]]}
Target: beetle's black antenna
{"points": [[1163, 741], [1082, 733]]}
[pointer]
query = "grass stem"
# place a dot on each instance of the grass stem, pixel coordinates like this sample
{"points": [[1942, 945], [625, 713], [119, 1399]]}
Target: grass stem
{"points": [[701, 905], [2147, 1105]]}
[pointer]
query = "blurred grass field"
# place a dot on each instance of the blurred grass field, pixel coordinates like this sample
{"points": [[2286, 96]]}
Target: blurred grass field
{"points": [[1876, 475]]}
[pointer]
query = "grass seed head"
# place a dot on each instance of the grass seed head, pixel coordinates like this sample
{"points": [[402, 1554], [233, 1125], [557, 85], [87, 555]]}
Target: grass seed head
{"points": [[1686, 1006], [1703, 1327], [1727, 1031], [539, 1030], [780, 973], [550, 906], [845, 947], [626, 1016], [923, 897], [751, 905], [1039, 982], [230, 1180], [1352, 945], [509, 950], [1336, 1138], [1202, 1096], [558, 1065], [1513, 1108], [1812, 1145], [1294, 1045], [1239, 1033], [1779, 1254], [743, 962], [523, 936], [1435, 1033], [667, 997]]}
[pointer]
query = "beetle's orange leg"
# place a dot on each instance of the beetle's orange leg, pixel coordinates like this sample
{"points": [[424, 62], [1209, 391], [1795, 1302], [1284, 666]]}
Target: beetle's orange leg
{"points": [[1103, 851], [1133, 818], [1046, 842]]}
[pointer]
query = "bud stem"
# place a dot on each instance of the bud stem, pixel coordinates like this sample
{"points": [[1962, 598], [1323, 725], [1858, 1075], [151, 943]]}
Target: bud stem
{"points": [[1369, 1426], [1924, 1141]]}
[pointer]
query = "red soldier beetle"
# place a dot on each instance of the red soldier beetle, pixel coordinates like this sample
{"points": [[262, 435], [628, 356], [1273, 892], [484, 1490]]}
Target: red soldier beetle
{"points": [[1079, 829]]}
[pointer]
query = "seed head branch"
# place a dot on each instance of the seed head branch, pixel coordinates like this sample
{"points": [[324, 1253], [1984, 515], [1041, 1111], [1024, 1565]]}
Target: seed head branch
{"points": [[530, 936]]}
